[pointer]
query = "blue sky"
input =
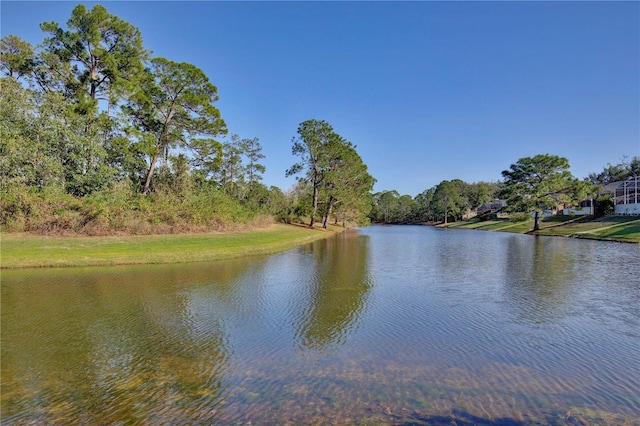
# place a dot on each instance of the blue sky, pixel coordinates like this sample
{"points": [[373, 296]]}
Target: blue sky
{"points": [[426, 90]]}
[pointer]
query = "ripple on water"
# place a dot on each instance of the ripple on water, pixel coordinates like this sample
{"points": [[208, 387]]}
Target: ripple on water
{"points": [[400, 325]]}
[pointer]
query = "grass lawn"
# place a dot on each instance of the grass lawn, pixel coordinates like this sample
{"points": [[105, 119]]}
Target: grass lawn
{"points": [[619, 228], [29, 251], [510, 226], [629, 231], [616, 228]]}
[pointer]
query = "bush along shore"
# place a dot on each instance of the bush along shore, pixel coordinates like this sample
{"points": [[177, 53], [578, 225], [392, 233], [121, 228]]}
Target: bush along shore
{"points": [[120, 226], [609, 228]]}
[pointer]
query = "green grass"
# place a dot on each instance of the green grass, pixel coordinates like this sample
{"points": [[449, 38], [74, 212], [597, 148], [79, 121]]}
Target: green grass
{"points": [[615, 228], [625, 232], [495, 225], [28, 251]]}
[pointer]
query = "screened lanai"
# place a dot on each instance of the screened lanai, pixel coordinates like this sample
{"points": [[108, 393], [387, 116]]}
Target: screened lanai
{"points": [[626, 196]]}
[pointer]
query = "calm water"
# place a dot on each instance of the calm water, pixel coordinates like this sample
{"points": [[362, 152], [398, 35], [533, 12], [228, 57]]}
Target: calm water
{"points": [[387, 325]]}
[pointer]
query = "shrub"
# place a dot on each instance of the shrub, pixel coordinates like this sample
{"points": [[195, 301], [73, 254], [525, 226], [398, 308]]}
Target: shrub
{"points": [[121, 209], [519, 217], [604, 206]]}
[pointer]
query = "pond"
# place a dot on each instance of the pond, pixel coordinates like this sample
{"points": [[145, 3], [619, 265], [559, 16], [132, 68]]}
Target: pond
{"points": [[382, 325]]}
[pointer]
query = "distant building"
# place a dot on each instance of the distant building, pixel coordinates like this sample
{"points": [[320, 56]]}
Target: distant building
{"points": [[469, 214], [548, 212], [491, 207], [626, 195], [584, 207]]}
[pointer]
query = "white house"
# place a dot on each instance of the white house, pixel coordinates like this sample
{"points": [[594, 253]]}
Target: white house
{"points": [[583, 208]]}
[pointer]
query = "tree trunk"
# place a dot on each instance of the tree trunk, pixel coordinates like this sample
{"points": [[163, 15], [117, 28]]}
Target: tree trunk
{"points": [[315, 206], [325, 220], [446, 200], [536, 224], [152, 168]]}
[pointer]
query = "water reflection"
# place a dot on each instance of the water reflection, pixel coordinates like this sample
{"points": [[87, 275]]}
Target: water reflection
{"points": [[391, 325], [112, 345], [539, 277], [336, 293]]}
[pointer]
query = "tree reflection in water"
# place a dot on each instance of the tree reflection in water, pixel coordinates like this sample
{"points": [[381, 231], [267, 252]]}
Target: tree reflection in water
{"points": [[113, 345], [336, 293]]}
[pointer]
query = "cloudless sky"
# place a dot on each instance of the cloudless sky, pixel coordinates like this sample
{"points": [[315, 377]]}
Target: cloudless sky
{"points": [[427, 91]]}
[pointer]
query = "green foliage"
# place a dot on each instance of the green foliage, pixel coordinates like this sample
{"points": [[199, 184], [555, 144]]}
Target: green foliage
{"points": [[27, 209], [43, 143], [391, 207], [616, 172], [106, 139], [285, 207], [28, 151], [127, 158], [424, 206], [448, 201], [17, 202], [207, 156], [604, 206], [256, 197], [338, 180], [519, 217], [252, 150], [230, 173], [120, 209], [480, 193], [212, 204], [72, 163], [314, 147], [100, 56], [347, 188], [451, 201], [17, 57], [542, 182], [386, 206], [173, 104]]}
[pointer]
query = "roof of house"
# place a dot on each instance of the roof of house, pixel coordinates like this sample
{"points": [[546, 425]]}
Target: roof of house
{"points": [[611, 187]]}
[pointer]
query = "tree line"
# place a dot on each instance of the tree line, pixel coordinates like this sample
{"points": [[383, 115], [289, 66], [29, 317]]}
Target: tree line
{"points": [[90, 119], [334, 176], [531, 185], [99, 136], [100, 107], [450, 200]]}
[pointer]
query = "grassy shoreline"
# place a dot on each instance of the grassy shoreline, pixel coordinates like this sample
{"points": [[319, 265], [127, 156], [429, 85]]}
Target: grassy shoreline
{"points": [[625, 229], [33, 251]]}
